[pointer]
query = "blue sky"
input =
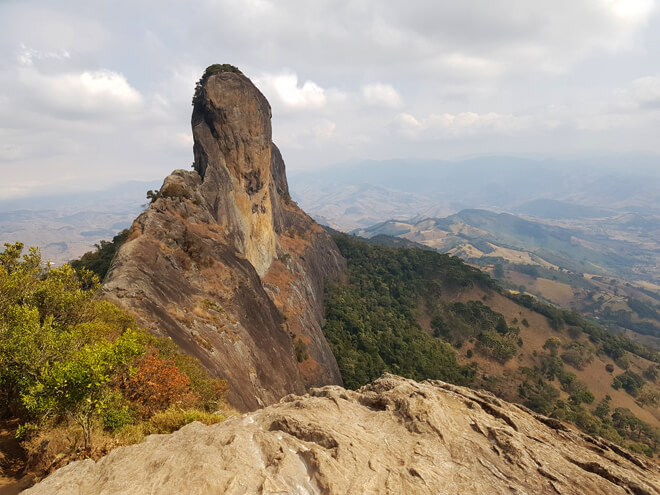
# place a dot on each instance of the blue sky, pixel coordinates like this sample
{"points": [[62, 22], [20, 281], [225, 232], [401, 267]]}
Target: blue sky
{"points": [[94, 93]]}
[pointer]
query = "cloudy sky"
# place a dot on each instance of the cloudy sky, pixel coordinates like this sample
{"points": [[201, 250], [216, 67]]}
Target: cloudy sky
{"points": [[98, 92]]}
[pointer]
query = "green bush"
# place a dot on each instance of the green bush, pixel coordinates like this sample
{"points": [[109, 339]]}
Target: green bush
{"points": [[577, 354], [99, 261], [492, 344], [115, 412], [300, 349], [630, 381], [174, 418], [64, 354]]}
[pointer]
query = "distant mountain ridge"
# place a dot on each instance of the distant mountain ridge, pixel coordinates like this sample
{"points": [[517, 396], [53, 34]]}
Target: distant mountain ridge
{"points": [[362, 193], [477, 233], [66, 226], [561, 210]]}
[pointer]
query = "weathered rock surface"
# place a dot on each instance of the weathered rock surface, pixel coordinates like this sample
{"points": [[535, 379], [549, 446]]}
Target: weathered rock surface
{"points": [[392, 436], [226, 264]]}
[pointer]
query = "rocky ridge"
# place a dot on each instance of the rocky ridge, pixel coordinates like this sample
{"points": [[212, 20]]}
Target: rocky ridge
{"points": [[223, 261], [392, 436]]}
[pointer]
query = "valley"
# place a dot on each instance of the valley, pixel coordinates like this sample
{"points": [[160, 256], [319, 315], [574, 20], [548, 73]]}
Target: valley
{"points": [[423, 314], [605, 268]]}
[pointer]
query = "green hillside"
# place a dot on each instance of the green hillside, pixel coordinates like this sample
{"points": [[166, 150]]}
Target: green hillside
{"points": [[422, 314]]}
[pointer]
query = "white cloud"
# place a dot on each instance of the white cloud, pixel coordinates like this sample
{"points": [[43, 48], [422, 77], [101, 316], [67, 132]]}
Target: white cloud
{"points": [[43, 26], [381, 95], [27, 55], [184, 140], [634, 11], [285, 88], [78, 94], [461, 125], [324, 129], [645, 91]]}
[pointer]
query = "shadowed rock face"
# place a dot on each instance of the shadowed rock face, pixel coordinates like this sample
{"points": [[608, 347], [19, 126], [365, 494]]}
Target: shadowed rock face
{"points": [[225, 264], [401, 437]]}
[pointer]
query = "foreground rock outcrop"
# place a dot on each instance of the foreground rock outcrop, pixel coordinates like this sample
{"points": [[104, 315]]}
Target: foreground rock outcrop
{"points": [[223, 261], [392, 436]]}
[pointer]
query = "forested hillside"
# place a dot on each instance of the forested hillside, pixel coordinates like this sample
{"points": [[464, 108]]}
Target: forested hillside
{"points": [[422, 314]]}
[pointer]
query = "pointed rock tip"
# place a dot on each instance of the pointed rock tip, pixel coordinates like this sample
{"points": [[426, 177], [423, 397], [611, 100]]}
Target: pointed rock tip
{"points": [[237, 117], [211, 70]]}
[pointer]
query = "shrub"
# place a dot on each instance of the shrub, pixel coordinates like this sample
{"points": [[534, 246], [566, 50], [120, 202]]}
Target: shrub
{"points": [[623, 362], [301, 350], [153, 195], [158, 384], [641, 448], [173, 190], [651, 373], [212, 392], [99, 261], [603, 408], [539, 396], [577, 355], [494, 345], [175, 418], [115, 412], [631, 382], [552, 345]]}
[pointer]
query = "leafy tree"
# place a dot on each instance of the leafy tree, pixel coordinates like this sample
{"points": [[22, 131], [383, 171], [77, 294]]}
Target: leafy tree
{"points": [[552, 345], [156, 385], [630, 381], [99, 261], [577, 354], [78, 386], [494, 345], [153, 195], [539, 396], [603, 408], [651, 373]]}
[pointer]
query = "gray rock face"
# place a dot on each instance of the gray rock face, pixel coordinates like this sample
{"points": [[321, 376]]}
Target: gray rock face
{"points": [[392, 436], [225, 264]]}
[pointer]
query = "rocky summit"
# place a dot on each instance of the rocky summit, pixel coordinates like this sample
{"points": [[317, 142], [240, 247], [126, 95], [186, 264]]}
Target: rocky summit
{"points": [[224, 263], [393, 436]]}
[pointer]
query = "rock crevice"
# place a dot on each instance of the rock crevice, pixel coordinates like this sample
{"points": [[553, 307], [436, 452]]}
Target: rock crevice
{"points": [[333, 441]]}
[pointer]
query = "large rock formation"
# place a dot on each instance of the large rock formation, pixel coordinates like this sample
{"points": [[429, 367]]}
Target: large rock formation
{"points": [[393, 436], [224, 263]]}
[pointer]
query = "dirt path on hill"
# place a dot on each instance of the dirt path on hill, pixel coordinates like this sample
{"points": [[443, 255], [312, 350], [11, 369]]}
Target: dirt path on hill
{"points": [[12, 461]]}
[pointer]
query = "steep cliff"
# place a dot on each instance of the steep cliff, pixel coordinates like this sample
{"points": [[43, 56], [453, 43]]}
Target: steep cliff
{"points": [[403, 437], [223, 261]]}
